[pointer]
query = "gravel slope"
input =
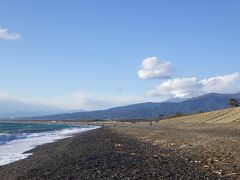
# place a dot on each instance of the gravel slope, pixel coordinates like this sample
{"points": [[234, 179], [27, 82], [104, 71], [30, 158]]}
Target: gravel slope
{"points": [[104, 154]]}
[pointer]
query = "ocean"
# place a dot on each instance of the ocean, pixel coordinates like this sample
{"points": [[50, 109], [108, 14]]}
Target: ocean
{"points": [[17, 138]]}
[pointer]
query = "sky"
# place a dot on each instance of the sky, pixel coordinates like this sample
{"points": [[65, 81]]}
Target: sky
{"points": [[91, 54]]}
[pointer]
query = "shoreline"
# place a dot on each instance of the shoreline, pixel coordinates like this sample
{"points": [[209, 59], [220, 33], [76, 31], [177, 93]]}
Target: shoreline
{"points": [[102, 153], [17, 149], [121, 150]]}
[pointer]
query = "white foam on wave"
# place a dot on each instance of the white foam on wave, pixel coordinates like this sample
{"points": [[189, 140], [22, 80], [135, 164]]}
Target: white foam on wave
{"points": [[14, 150]]}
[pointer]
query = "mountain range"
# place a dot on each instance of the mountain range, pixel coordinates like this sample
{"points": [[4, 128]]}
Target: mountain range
{"points": [[148, 110]]}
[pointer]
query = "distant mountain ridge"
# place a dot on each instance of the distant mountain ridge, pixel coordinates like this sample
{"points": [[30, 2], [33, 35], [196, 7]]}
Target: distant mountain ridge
{"points": [[208, 102]]}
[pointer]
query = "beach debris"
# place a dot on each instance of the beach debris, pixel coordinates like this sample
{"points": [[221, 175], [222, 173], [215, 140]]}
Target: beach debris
{"points": [[206, 167], [183, 146], [219, 172], [230, 174], [118, 145], [136, 170]]}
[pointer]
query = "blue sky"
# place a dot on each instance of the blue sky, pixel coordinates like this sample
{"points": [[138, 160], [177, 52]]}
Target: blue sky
{"points": [[87, 54]]}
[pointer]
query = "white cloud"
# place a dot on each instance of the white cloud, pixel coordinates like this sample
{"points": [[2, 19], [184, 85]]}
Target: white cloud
{"points": [[222, 84], [188, 87], [179, 87], [6, 35], [154, 68]]}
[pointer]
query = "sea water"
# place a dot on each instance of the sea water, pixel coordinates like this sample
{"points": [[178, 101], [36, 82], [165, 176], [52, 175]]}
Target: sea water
{"points": [[17, 138]]}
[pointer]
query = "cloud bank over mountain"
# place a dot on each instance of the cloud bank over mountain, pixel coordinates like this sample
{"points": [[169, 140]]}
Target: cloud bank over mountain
{"points": [[186, 87], [189, 87]]}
